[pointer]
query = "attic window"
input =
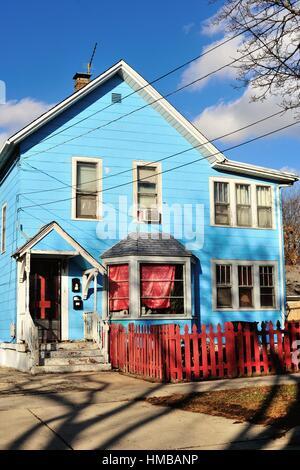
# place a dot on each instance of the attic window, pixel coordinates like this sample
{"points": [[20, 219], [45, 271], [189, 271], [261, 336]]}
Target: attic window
{"points": [[116, 98]]}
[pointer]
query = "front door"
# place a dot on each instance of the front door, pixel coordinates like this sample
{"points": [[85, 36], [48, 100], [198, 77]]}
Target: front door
{"points": [[45, 305]]}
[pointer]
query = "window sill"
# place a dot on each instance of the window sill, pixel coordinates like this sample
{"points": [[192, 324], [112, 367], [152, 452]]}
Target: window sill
{"points": [[154, 317], [252, 309], [243, 227], [98, 219]]}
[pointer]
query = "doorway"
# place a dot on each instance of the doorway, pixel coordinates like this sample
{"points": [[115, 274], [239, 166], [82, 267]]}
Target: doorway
{"points": [[45, 298]]}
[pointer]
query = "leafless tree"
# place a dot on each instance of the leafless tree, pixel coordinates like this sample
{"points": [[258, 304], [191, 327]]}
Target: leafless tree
{"points": [[271, 34], [291, 224]]}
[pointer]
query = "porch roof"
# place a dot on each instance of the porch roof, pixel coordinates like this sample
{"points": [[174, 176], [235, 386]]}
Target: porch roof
{"points": [[67, 246], [147, 244]]}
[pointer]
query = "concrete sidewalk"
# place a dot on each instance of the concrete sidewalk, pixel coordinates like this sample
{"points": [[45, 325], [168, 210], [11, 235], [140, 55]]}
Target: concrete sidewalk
{"points": [[106, 411]]}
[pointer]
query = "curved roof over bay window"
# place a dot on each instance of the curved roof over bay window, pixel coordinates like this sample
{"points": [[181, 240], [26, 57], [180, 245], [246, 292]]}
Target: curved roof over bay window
{"points": [[147, 244]]}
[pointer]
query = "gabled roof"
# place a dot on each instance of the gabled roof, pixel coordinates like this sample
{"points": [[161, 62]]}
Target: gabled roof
{"points": [[147, 244], [177, 120], [54, 226]]}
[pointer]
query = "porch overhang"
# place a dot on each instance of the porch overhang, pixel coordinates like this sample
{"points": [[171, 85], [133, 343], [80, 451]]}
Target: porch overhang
{"points": [[66, 246]]}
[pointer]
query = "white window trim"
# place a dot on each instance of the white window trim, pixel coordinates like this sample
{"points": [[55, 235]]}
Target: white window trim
{"points": [[232, 202], [158, 166], [134, 263], [3, 239], [98, 161], [235, 286]]}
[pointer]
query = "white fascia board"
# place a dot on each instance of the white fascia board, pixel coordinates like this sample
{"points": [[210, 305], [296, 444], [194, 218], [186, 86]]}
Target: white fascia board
{"points": [[160, 101], [257, 171], [55, 226], [63, 105]]}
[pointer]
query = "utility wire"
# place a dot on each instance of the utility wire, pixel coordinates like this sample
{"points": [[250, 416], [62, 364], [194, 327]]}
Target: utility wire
{"points": [[161, 97], [176, 69], [144, 106], [176, 167], [148, 163]]}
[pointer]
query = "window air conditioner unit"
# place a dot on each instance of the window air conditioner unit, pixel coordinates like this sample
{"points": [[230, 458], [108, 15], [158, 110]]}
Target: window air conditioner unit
{"points": [[149, 215]]}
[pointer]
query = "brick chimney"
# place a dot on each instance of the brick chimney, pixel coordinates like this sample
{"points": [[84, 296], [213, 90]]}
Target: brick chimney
{"points": [[81, 80]]}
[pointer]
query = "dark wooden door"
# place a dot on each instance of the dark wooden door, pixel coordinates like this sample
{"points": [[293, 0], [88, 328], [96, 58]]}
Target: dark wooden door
{"points": [[45, 298]]}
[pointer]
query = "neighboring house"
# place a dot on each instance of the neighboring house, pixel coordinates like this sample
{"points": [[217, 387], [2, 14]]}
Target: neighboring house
{"points": [[68, 254], [293, 292]]}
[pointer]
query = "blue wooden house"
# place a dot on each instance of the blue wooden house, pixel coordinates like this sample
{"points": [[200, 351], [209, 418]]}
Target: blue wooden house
{"points": [[115, 208]]}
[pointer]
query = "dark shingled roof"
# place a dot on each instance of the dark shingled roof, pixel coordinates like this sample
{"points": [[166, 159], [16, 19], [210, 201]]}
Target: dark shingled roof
{"points": [[160, 244]]}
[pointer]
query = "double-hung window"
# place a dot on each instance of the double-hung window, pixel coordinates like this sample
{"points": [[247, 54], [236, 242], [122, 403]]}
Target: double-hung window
{"points": [[147, 192], [264, 206], [222, 205], [223, 285], [243, 205], [86, 188], [243, 285], [266, 282], [245, 277]]}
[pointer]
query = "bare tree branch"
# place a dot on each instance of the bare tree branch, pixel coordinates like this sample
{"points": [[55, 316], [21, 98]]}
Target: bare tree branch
{"points": [[273, 26]]}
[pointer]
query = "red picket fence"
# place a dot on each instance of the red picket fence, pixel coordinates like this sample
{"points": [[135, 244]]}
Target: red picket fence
{"points": [[163, 353]]}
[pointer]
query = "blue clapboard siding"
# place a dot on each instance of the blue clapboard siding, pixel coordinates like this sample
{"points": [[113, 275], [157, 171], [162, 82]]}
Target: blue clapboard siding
{"points": [[144, 135], [9, 189]]}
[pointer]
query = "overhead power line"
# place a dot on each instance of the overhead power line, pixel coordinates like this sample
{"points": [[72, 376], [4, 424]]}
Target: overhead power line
{"points": [[161, 97], [176, 167], [148, 104], [148, 163], [179, 67]]}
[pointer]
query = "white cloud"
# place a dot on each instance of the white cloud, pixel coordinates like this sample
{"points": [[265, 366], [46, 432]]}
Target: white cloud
{"points": [[225, 117], [14, 115], [211, 26], [211, 62], [186, 28]]}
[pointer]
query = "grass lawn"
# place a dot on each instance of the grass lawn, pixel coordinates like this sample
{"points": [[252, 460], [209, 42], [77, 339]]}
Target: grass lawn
{"points": [[278, 405]]}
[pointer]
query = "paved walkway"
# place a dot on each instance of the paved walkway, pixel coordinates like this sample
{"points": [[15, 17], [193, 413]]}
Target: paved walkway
{"points": [[106, 411]]}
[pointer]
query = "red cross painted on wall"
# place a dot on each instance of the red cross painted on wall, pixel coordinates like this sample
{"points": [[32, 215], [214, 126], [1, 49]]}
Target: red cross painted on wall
{"points": [[43, 303]]}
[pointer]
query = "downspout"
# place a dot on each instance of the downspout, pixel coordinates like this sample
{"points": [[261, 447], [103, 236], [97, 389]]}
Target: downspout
{"points": [[281, 254]]}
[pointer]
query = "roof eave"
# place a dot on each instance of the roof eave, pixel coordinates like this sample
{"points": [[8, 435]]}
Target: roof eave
{"points": [[256, 171], [15, 139]]}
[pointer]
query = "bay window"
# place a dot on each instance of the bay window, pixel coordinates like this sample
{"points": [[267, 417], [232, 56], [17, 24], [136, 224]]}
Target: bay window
{"points": [[161, 289], [149, 287], [118, 278]]}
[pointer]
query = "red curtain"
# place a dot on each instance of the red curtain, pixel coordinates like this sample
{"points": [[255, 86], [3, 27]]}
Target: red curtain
{"points": [[118, 287], [160, 283]]}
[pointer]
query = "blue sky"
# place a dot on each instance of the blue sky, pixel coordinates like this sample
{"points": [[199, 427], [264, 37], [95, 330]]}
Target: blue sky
{"points": [[45, 43]]}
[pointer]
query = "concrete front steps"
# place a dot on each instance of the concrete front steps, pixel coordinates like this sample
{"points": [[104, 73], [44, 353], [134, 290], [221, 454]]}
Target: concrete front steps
{"points": [[71, 356]]}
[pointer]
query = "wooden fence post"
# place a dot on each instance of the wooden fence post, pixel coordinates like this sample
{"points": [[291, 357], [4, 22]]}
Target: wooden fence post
{"points": [[204, 352], [230, 350], [187, 353]]}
